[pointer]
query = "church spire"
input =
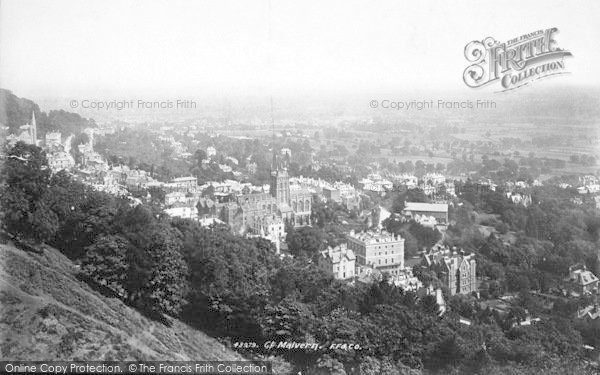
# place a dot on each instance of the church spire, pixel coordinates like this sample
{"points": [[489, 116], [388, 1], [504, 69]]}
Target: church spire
{"points": [[33, 129], [274, 166]]}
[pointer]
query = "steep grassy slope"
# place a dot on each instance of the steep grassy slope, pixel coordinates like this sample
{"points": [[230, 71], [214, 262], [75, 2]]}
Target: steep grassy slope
{"points": [[47, 313]]}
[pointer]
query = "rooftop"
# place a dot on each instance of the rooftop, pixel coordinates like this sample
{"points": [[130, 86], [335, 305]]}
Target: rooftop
{"points": [[583, 277], [336, 254], [375, 237], [182, 179], [431, 207]]}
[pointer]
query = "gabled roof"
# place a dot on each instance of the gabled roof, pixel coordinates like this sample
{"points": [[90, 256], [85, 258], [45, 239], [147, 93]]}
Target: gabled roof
{"points": [[206, 202], [338, 253], [583, 277], [590, 312]]}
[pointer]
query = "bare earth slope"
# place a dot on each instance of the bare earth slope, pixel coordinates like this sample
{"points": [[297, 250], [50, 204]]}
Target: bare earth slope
{"points": [[46, 313]]}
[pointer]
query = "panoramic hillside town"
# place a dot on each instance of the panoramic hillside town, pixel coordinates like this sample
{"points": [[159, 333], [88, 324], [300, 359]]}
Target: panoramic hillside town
{"points": [[285, 203], [266, 211], [467, 239], [451, 236]]}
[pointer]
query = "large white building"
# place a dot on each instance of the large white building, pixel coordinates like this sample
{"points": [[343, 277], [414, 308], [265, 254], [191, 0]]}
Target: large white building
{"points": [[381, 250], [184, 212], [182, 184]]}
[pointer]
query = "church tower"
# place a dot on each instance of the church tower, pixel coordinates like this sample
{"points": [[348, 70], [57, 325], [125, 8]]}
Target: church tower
{"points": [[280, 181]]}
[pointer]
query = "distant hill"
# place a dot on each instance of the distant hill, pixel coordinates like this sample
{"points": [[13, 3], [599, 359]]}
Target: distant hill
{"points": [[46, 313], [15, 111]]}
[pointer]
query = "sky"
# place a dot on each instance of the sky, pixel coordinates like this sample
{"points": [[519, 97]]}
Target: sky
{"points": [[76, 48]]}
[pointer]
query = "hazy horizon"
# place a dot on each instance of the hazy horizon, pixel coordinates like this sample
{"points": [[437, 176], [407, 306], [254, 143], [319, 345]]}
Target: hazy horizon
{"points": [[234, 49]]}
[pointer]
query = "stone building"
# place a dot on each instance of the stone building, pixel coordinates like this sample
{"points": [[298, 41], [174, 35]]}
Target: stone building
{"points": [[182, 184], [60, 160], [456, 270], [293, 205], [339, 260], [581, 281], [271, 228]]}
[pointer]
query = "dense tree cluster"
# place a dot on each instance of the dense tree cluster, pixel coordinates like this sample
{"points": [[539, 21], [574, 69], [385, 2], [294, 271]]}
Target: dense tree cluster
{"points": [[530, 248], [139, 149], [416, 236], [25, 196], [126, 250]]}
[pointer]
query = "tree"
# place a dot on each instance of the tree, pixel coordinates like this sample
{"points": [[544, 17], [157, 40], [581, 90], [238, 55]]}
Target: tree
{"points": [[199, 155], [328, 366], [209, 192], [158, 276], [429, 305], [79, 139], [296, 278], [410, 195], [82, 214], [157, 194], [23, 193], [229, 279], [105, 262], [426, 237], [370, 366], [305, 241], [43, 221], [287, 320]]}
